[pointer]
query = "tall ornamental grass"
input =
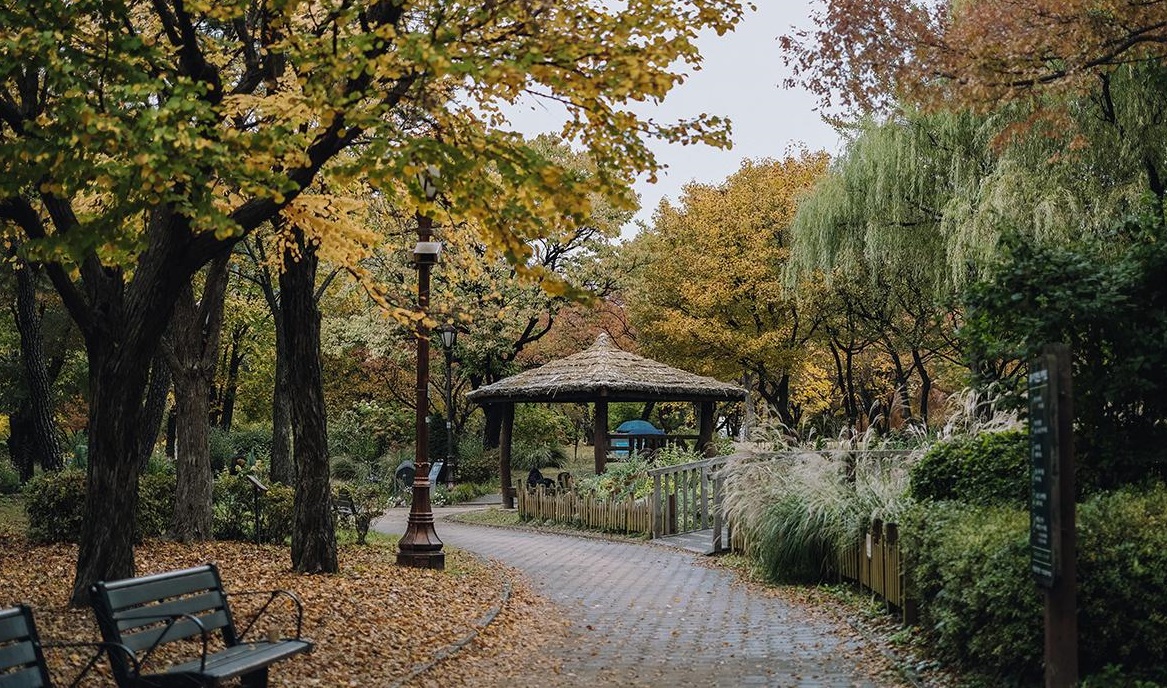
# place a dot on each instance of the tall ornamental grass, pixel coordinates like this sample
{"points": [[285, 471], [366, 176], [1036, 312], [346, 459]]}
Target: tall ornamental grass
{"points": [[798, 510]]}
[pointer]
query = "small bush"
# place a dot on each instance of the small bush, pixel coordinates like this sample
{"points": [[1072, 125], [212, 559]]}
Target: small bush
{"points": [[969, 567], [234, 509], [9, 477], [985, 469], [464, 492], [476, 464], [344, 469], [277, 513], [370, 500], [54, 503], [155, 504]]}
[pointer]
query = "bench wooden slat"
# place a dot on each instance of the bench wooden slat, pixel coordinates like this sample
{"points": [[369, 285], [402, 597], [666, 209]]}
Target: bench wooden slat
{"points": [[26, 678], [132, 592], [183, 628], [13, 625], [16, 655], [241, 659], [196, 605]]}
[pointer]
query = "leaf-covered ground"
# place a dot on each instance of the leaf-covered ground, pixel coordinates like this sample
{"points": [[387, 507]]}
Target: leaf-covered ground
{"points": [[374, 623]]}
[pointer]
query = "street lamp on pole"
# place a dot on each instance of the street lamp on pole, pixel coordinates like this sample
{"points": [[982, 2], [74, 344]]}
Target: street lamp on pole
{"points": [[449, 339], [420, 546]]}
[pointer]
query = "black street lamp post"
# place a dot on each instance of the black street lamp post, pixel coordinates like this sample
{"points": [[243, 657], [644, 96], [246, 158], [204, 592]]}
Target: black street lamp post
{"points": [[420, 546], [449, 339]]}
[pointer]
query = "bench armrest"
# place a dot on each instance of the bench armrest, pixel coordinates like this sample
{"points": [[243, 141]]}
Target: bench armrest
{"points": [[272, 595], [170, 620], [101, 648]]}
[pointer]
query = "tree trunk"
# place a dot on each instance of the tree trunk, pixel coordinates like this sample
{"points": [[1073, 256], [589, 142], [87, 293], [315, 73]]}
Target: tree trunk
{"points": [[117, 384], [45, 439], [283, 469], [925, 384], [313, 534], [156, 395], [492, 426], [231, 386], [192, 347]]}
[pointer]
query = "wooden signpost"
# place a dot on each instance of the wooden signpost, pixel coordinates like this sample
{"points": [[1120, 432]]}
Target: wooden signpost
{"points": [[1052, 530]]}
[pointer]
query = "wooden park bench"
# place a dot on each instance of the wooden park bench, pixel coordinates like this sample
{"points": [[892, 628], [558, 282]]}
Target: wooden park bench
{"points": [[144, 614], [22, 658]]}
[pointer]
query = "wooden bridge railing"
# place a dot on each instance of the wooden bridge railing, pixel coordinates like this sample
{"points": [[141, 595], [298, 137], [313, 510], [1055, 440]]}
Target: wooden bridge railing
{"points": [[687, 498]]}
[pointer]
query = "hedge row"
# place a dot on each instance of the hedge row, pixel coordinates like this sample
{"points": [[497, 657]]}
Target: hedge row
{"points": [[55, 503], [969, 568]]}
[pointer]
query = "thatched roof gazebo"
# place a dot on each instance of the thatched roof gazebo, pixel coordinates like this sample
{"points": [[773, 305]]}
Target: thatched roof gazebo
{"points": [[600, 374]]}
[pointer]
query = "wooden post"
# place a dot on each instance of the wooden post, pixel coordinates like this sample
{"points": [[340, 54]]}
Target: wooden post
{"points": [[1053, 531], [600, 429], [504, 455], [705, 438]]}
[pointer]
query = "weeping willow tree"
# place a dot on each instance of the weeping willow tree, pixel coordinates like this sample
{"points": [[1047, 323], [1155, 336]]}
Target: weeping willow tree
{"points": [[915, 208]]}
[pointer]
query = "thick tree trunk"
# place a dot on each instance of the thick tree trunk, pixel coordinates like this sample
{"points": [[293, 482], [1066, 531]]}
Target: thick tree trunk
{"points": [[117, 385], [313, 535], [194, 479], [192, 347], [44, 445]]}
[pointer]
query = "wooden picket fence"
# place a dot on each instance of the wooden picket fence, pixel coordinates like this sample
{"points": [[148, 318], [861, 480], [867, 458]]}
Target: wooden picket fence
{"points": [[876, 563], [630, 516]]}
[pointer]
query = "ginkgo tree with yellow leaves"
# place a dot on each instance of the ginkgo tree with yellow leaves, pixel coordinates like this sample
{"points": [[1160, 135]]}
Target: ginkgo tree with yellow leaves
{"points": [[138, 141], [709, 295]]}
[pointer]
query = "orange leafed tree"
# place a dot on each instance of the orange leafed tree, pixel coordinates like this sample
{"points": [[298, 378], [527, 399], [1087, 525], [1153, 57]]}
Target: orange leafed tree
{"points": [[864, 54]]}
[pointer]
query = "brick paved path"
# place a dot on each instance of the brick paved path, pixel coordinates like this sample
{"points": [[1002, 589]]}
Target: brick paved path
{"points": [[644, 615]]}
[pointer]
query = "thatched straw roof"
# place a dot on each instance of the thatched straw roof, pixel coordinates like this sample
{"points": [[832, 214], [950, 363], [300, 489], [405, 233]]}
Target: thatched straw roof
{"points": [[603, 371]]}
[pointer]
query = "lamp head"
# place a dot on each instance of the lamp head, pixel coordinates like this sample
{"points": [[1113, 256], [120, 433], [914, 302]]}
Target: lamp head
{"points": [[449, 335], [427, 252]]}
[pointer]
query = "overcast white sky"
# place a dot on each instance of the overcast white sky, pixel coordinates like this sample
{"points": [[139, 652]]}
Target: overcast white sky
{"points": [[740, 79]]}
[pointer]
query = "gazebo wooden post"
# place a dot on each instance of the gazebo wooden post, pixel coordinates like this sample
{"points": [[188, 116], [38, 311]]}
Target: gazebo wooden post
{"points": [[600, 432], [705, 434], [504, 455]]}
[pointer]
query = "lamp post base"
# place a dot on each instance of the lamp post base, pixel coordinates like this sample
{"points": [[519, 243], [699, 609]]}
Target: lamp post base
{"points": [[422, 560], [420, 546]]}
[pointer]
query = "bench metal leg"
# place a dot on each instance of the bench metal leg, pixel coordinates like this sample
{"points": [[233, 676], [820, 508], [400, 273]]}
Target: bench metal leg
{"points": [[256, 679]]}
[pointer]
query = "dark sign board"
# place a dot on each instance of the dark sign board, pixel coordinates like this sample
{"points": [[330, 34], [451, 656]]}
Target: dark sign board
{"points": [[1043, 472]]}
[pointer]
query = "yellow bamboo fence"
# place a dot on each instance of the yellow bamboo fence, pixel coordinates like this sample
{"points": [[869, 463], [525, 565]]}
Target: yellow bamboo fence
{"points": [[876, 563], [630, 516]]}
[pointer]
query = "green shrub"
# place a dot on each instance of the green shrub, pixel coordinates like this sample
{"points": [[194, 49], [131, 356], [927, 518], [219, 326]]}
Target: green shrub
{"points": [[369, 500], [221, 448], [55, 504], [476, 464], [1122, 580], [344, 469], [464, 492], [234, 509], [969, 568], [9, 477], [989, 468], [277, 513], [155, 504]]}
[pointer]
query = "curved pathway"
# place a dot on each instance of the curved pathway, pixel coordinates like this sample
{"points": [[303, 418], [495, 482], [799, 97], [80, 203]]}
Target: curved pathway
{"points": [[645, 615]]}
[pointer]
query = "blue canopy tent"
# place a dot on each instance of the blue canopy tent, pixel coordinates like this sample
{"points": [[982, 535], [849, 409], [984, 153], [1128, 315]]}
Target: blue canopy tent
{"points": [[639, 431]]}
